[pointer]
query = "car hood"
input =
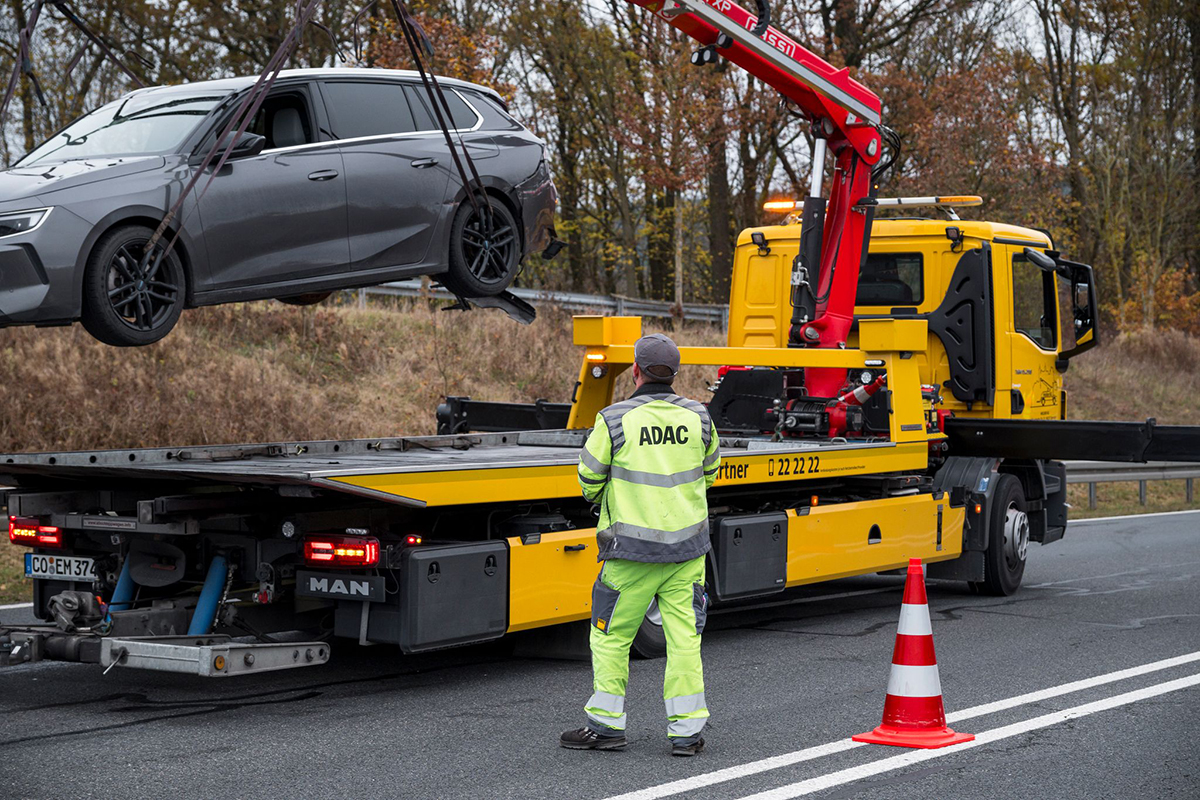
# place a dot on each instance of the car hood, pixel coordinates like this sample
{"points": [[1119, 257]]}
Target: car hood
{"points": [[20, 182]]}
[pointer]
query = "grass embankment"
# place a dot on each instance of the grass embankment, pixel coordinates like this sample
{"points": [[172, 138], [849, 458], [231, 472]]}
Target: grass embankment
{"points": [[1138, 375], [269, 372]]}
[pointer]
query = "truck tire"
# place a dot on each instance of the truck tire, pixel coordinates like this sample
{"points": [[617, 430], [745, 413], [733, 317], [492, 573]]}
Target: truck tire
{"points": [[650, 640], [1008, 540]]}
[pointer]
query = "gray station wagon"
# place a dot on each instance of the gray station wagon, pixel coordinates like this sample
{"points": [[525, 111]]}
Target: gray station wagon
{"points": [[343, 179]]}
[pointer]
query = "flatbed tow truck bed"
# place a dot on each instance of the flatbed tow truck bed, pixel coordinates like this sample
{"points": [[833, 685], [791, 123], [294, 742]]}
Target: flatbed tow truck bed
{"points": [[414, 471]]}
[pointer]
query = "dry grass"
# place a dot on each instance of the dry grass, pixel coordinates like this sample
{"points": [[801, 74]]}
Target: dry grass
{"points": [[269, 372], [1145, 374], [1117, 499], [14, 588]]}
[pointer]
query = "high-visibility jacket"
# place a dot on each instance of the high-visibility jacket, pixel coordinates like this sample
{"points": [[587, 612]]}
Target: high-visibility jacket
{"points": [[648, 463]]}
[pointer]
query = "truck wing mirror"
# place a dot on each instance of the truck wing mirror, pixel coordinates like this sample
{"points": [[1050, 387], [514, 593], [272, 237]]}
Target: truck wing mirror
{"points": [[1041, 260]]}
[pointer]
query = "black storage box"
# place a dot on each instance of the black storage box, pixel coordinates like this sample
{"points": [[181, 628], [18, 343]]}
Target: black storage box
{"points": [[453, 594], [749, 555]]}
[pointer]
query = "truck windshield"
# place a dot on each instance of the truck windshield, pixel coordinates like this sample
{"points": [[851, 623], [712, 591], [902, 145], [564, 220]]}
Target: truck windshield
{"points": [[141, 124], [1035, 302]]}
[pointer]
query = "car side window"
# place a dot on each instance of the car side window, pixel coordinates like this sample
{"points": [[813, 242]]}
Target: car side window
{"points": [[461, 115], [366, 109], [284, 120]]}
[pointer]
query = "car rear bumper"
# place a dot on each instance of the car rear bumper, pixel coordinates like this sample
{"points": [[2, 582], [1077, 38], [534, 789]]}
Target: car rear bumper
{"points": [[538, 201]]}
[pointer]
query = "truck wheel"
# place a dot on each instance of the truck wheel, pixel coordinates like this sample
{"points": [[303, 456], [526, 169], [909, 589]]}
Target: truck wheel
{"points": [[125, 305], [485, 250], [650, 640], [1008, 540]]}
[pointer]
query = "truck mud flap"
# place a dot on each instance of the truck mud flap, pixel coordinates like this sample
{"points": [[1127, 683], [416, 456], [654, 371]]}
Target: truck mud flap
{"points": [[209, 656], [1083, 440]]}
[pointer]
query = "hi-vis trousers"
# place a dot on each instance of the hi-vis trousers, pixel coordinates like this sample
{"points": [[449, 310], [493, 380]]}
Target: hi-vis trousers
{"points": [[620, 599]]}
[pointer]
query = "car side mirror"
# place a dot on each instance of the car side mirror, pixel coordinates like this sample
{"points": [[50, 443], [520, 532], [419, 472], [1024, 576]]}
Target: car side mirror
{"points": [[248, 145]]}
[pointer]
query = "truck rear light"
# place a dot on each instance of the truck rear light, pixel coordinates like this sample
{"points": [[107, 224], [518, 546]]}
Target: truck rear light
{"points": [[341, 551], [31, 533]]}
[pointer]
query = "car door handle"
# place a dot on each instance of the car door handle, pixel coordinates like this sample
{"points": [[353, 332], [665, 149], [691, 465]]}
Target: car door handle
{"points": [[323, 175], [425, 163]]}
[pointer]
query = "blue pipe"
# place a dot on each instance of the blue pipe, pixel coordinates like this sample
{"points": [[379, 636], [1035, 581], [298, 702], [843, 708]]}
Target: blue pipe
{"points": [[210, 595], [122, 595]]}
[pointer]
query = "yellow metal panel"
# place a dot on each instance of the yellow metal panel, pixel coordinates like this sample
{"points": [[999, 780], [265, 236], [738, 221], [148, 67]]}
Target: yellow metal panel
{"points": [[896, 335], [549, 584], [836, 541], [607, 330], [521, 484]]}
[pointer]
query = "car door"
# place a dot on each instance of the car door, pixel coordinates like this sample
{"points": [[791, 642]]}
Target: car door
{"points": [[279, 216], [397, 176]]}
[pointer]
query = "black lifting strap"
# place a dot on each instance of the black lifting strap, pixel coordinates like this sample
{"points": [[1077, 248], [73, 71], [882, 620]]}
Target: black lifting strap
{"points": [[412, 34]]}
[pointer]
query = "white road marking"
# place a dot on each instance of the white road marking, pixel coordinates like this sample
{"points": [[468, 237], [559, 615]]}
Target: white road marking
{"points": [[810, 753], [852, 774], [16, 605], [1133, 516]]}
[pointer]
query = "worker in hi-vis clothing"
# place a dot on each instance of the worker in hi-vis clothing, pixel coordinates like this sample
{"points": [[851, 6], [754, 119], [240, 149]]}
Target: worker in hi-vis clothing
{"points": [[649, 463]]}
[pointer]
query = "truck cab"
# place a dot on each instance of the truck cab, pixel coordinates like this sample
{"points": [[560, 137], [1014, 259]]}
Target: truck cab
{"points": [[1005, 312]]}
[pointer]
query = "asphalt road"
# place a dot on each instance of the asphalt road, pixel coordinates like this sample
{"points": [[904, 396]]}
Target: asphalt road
{"points": [[482, 723]]}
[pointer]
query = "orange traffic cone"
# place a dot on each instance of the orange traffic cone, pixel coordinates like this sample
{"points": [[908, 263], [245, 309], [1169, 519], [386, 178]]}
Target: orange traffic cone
{"points": [[913, 715]]}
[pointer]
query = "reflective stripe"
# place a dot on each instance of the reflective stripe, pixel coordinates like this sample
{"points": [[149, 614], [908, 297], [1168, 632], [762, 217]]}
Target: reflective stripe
{"points": [[593, 481], [698, 408], [914, 620], [654, 535], [591, 462], [607, 710], [712, 460], [613, 414], [687, 704], [654, 479], [914, 681], [682, 728]]}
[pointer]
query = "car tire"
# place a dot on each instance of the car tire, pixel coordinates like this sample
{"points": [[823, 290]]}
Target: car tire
{"points": [[1008, 540], [121, 307], [310, 299], [483, 260]]}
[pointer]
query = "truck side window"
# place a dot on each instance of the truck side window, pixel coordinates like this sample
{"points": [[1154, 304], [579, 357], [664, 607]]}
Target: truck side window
{"points": [[1035, 302], [891, 279]]}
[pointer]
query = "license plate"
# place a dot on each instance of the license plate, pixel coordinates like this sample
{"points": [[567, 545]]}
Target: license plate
{"points": [[60, 568]]}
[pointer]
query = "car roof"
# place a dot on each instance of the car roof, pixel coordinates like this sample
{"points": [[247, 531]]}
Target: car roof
{"points": [[240, 83]]}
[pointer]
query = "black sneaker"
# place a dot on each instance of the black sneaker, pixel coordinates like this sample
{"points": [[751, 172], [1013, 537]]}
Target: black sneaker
{"points": [[687, 750], [588, 739]]}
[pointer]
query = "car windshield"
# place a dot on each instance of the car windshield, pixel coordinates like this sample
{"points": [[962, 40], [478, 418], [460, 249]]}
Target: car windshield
{"points": [[140, 124]]}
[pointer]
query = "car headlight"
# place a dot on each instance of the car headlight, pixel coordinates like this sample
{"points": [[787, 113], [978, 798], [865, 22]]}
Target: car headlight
{"points": [[22, 221]]}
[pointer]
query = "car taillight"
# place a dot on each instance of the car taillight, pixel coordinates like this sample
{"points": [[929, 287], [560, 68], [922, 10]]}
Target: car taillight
{"points": [[32, 533], [341, 551]]}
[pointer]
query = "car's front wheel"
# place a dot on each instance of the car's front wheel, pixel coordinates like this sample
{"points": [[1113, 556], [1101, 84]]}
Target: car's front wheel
{"points": [[130, 300], [485, 249]]}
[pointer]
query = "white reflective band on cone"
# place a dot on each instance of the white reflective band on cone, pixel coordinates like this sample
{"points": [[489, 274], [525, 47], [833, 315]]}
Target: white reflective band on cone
{"points": [[914, 681], [914, 620]]}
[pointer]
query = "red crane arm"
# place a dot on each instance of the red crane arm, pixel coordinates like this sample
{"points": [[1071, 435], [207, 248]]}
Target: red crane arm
{"points": [[846, 117]]}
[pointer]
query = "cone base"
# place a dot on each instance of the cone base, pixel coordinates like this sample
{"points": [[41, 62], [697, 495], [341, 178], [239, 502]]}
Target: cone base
{"points": [[927, 739]]}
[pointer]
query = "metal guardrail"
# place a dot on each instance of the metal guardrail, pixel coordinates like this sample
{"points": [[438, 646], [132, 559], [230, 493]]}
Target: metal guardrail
{"points": [[1094, 472], [617, 305]]}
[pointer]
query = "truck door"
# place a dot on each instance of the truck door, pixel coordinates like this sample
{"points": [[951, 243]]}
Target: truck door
{"points": [[1032, 330]]}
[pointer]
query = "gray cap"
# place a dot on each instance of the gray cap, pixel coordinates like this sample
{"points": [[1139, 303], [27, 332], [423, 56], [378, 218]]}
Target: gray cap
{"points": [[657, 355]]}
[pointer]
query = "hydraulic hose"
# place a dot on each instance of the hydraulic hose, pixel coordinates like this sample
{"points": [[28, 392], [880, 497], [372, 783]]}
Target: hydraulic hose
{"points": [[764, 17]]}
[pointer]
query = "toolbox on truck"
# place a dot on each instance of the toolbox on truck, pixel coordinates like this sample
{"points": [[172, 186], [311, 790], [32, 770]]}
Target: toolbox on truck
{"points": [[749, 555]]}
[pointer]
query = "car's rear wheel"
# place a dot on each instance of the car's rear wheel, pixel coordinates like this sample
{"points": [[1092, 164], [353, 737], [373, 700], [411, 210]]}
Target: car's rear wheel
{"points": [[310, 299], [130, 300], [485, 249]]}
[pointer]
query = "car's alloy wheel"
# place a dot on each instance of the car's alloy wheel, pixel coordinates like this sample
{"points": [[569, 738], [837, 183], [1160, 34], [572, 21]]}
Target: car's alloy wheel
{"points": [[485, 249], [130, 299]]}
